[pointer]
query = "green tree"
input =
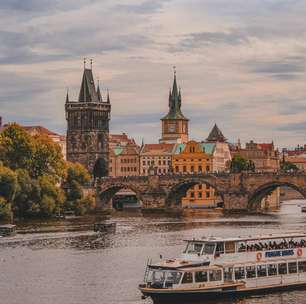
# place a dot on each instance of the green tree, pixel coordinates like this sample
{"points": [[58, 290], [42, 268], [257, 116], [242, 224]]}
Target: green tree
{"points": [[77, 173], [239, 164], [288, 166], [16, 147], [8, 183], [5, 209]]}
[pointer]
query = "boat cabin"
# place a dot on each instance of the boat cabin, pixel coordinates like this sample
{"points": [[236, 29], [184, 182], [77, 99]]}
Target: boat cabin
{"points": [[7, 230], [270, 246]]}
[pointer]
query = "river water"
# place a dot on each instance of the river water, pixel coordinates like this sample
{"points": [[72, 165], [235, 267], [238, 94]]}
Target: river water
{"points": [[81, 267]]}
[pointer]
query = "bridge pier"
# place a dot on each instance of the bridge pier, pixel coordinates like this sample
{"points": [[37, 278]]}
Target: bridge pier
{"points": [[235, 201]]}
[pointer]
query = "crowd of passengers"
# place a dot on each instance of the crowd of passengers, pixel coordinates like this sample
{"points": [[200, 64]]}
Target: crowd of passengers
{"points": [[272, 245]]}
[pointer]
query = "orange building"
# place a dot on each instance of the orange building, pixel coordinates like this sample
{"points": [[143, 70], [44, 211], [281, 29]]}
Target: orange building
{"points": [[194, 157]]}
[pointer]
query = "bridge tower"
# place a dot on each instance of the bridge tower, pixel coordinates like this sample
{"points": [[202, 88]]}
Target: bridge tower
{"points": [[174, 124], [88, 126]]}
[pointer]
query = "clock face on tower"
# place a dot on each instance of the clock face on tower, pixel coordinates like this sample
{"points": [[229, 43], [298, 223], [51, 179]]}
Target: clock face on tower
{"points": [[171, 128]]}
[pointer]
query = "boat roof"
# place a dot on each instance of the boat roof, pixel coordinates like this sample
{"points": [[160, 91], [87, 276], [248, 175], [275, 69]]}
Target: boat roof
{"points": [[249, 238], [176, 263], [7, 226]]}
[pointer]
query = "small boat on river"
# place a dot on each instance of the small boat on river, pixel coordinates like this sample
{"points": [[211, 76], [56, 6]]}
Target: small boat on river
{"points": [[106, 226], [303, 209], [222, 267], [7, 230]]}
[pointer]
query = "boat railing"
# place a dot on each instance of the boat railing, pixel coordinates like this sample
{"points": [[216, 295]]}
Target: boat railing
{"points": [[149, 262]]}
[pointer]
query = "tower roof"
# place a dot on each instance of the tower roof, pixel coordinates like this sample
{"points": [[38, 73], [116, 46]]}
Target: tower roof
{"points": [[175, 103], [216, 135], [88, 91], [99, 93]]}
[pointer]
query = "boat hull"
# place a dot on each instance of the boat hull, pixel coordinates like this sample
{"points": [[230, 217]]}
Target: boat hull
{"points": [[184, 296]]}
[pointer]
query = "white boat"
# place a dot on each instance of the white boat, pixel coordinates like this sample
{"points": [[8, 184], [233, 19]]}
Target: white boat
{"points": [[220, 267]]}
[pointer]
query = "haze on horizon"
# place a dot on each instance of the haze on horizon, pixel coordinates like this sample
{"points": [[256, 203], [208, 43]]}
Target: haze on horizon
{"points": [[239, 63]]}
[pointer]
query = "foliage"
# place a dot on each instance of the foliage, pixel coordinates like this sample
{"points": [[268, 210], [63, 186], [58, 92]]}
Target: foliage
{"points": [[239, 164], [84, 205], [8, 183], [5, 209], [16, 147], [288, 166], [38, 155], [77, 173]]}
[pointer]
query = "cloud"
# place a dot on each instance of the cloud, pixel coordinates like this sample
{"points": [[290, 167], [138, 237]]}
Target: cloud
{"points": [[145, 7]]}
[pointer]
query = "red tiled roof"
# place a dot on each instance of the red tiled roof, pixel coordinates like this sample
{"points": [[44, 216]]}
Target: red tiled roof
{"points": [[40, 129], [266, 147]]}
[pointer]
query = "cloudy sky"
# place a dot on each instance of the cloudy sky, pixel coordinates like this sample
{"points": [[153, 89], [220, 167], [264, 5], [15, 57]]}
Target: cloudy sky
{"points": [[241, 64]]}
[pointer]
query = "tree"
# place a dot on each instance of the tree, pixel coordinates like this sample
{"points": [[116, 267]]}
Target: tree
{"points": [[288, 166], [16, 147], [5, 209], [239, 164], [77, 173], [47, 158], [8, 184]]}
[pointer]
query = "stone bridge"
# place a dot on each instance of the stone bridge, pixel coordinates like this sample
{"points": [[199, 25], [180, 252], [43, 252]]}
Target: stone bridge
{"points": [[242, 191]]}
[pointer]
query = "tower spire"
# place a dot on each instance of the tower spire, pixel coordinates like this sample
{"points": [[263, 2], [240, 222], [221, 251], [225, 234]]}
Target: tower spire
{"points": [[84, 63], [99, 92], [67, 95], [108, 99]]}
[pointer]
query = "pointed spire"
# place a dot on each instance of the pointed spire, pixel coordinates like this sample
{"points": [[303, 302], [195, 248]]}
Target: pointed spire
{"points": [[216, 135], [67, 96], [174, 89], [170, 98], [88, 91], [108, 99], [99, 92], [91, 61], [179, 98]]}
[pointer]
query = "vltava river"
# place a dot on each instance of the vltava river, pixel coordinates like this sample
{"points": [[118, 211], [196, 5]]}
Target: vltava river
{"points": [[85, 268]]}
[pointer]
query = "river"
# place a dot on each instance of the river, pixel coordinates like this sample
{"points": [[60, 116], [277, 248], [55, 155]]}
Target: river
{"points": [[81, 267]]}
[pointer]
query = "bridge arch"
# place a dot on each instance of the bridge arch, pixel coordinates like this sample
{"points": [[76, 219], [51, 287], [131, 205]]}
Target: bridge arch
{"points": [[108, 192], [256, 196], [181, 187]]}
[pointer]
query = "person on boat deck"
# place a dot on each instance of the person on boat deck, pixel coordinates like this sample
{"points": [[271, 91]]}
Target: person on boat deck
{"points": [[272, 245]]}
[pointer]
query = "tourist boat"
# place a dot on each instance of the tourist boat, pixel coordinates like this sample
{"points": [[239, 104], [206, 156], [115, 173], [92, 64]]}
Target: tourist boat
{"points": [[106, 226], [303, 209], [220, 267], [7, 230]]}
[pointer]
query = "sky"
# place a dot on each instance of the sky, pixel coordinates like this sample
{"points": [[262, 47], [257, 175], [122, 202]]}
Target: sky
{"points": [[240, 64]]}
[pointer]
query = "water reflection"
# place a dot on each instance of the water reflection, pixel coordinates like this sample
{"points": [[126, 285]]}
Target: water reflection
{"points": [[73, 265]]}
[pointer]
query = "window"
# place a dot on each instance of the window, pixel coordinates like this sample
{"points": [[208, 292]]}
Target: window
{"points": [[184, 169], [239, 273], [192, 194], [228, 274], [220, 248], [144, 162], [261, 270], [302, 266], [176, 169], [282, 268], [207, 168], [199, 194], [194, 248], [230, 247], [272, 269], [200, 186], [164, 162], [173, 277], [159, 162], [201, 276], [292, 267], [187, 278], [192, 169], [215, 275], [200, 169], [208, 194], [250, 272], [207, 187]]}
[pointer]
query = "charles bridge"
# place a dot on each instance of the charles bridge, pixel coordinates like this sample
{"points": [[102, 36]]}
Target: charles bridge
{"points": [[239, 191]]}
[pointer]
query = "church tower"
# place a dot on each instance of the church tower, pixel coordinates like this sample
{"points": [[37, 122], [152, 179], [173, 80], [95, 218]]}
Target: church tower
{"points": [[88, 127], [174, 124]]}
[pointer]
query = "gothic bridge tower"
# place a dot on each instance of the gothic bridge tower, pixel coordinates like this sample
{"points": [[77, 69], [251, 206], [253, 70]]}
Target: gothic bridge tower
{"points": [[174, 124], [88, 127]]}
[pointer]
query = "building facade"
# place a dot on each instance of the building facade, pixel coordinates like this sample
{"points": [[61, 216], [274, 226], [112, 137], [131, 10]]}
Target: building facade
{"points": [[221, 152], [174, 124], [197, 158], [88, 127], [123, 156], [156, 159]]}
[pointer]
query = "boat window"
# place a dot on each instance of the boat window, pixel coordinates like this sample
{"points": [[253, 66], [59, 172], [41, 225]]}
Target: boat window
{"points": [[292, 268], [282, 268], [230, 247], [239, 273], [173, 277], [302, 266], [242, 247], [220, 248], [250, 271], [156, 278], [261, 270], [209, 248], [215, 275], [272, 269], [201, 276], [194, 248], [187, 278], [228, 274]]}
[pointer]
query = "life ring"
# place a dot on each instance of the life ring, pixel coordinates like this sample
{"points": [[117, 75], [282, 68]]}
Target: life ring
{"points": [[299, 252], [258, 256]]}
